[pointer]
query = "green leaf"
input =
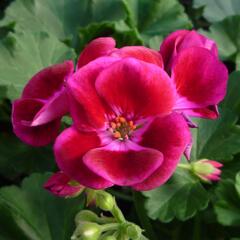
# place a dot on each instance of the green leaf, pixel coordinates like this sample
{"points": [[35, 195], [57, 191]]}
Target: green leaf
{"points": [[227, 35], [227, 203], [237, 184], [238, 61], [220, 139], [60, 17], [123, 34], [156, 17], [181, 197], [23, 55], [35, 214], [17, 158], [211, 136], [155, 42], [232, 100], [217, 10]]}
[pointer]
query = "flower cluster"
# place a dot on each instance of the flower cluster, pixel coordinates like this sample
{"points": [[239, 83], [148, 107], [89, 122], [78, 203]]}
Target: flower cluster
{"points": [[90, 226], [130, 107]]}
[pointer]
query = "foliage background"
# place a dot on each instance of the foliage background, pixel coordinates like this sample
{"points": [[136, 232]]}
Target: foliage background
{"points": [[37, 33]]}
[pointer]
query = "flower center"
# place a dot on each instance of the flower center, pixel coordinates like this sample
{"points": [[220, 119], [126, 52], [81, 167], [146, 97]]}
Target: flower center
{"points": [[121, 128]]}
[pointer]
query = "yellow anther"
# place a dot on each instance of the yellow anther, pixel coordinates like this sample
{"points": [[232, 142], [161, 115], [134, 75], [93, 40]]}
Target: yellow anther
{"points": [[113, 125], [121, 128], [122, 119], [117, 119], [117, 134], [133, 127], [130, 123]]}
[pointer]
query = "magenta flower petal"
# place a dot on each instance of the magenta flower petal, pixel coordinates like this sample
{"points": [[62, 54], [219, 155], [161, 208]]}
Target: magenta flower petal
{"points": [[123, 164], [210, 112], [23, 113], [136, 88], [69, 148], [140, 53], [168, 48], [86, 107], [60, 185], [46, 83], [56, 107], [36, 115], [195, 39], [200, 78], [97, 48], [180, 40], [170, 135]]}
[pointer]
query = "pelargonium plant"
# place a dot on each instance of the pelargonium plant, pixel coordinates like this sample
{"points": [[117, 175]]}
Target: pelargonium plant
{"points": [[131, 111]]}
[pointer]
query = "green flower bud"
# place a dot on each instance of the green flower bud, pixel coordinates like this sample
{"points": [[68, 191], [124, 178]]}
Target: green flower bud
{"points": [[207, 170], [108, 238], [202, 167], [87, 231], [134, 231], [105, 200], [91, 194], [86, 215]]}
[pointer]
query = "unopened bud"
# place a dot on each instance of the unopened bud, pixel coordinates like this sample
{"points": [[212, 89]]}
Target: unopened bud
{"points": [[86, 215], [104, 200], [207, 170], [108, 238], [87, 231], [134, 232]]}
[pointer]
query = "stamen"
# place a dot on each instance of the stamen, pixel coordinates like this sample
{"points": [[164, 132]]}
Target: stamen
{"points": [[113, 125], [133, 127], [121, 128], [122, 120], [130, 123], [117, 134]]}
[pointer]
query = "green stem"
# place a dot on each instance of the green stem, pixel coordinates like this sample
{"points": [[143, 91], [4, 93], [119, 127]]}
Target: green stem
{"points": [[196, 228], [176, 233], [117, 213], [145, 222], [184, 166], [109, 227]]}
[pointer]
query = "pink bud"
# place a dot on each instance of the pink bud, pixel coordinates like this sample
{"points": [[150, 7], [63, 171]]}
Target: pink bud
{"points": [[207, 170], [62, 186]]}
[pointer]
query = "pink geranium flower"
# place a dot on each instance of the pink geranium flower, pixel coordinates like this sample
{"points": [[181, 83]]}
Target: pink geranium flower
{"points": [[200, 78], [124, 131], [37, 114], [129, 116]]}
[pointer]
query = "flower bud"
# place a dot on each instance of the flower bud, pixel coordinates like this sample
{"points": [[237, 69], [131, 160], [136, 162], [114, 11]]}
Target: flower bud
{"points": [[91, 197], [105, 200], [207, 170], [134, 231], [87, 231], [86, 215], [61, 185], [108, 238]]}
